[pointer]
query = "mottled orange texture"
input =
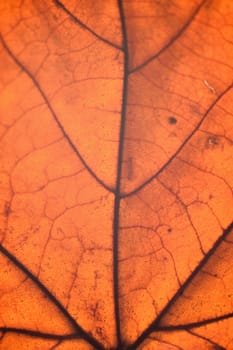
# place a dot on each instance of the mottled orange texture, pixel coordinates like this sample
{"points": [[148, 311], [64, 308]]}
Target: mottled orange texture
{"points": [[116, 175]]}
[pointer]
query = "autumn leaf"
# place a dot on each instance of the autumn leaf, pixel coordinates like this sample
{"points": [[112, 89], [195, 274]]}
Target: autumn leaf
{"points": [[116, 177]]}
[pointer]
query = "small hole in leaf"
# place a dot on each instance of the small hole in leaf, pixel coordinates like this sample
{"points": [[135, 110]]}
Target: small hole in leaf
{"points": [[172, 120], [212, 141]]}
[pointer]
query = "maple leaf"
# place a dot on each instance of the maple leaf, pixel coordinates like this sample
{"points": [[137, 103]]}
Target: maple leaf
{"points": [[116, 175]]}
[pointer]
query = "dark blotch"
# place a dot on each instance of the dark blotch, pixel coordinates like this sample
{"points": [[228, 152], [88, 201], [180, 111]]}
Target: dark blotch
{"points": [[172, 120], [7, 209], [169, 230]]}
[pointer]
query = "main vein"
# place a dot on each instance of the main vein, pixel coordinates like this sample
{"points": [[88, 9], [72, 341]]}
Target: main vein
{"points": [[118, 179]]}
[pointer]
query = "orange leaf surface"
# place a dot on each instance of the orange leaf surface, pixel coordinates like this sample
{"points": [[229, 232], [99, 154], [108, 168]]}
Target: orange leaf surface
{"points": [[116, 175]]}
